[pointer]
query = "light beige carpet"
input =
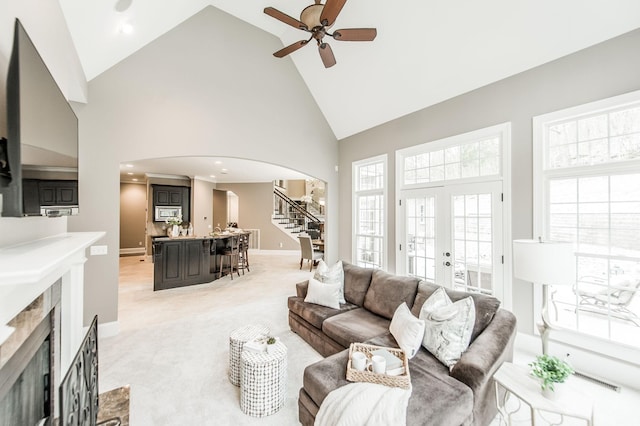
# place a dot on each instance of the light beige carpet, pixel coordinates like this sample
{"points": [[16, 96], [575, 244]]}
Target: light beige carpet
{"points": [[173, 349]]}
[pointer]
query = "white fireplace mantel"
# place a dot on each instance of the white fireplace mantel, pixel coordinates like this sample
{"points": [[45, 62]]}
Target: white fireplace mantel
{"points": [[28, 269]]}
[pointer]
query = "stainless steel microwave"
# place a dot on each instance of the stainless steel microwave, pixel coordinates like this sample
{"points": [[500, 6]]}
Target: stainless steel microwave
{"points": [[165, 212]]}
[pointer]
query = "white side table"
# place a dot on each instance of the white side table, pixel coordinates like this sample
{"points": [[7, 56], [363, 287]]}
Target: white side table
{"points": [[263, 381], [237, 339], [515, 379]]}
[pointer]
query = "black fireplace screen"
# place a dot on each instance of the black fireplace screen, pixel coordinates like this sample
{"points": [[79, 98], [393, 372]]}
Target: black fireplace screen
{"points": [[79, 388]]}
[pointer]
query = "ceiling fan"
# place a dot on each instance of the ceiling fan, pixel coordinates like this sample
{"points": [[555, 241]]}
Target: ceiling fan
{"points": [[316, 19]]}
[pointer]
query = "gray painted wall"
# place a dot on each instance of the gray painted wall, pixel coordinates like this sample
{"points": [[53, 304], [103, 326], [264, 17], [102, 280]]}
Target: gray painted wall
{"points": [[206, 88], [602, 71], [255, 207]]}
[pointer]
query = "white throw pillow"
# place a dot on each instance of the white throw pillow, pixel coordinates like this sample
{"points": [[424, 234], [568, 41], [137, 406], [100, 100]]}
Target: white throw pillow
{"points": [[448, 326], [325, 294], [407, 330], [331, 274]]}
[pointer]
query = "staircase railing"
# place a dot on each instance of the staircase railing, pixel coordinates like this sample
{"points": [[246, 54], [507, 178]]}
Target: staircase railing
{"points": [[290, 211]]}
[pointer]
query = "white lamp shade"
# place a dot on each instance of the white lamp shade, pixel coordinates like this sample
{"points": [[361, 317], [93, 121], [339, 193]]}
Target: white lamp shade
{"points": [[548, 263]]}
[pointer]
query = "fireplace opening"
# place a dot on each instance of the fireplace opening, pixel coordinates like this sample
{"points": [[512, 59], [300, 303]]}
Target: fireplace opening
{"points": [[26, 379]]}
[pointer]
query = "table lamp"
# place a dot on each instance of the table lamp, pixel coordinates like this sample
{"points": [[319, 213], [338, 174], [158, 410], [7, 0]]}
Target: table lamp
{"points": [[547, 263]]}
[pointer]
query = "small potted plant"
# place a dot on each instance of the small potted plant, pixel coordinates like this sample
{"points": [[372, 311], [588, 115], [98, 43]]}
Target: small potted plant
{"points": [[271, 344], [550, 370], [174, 222]]}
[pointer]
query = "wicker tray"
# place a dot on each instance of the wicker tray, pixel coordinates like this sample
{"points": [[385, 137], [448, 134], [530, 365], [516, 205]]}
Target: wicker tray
{"points": [[401, 381]]}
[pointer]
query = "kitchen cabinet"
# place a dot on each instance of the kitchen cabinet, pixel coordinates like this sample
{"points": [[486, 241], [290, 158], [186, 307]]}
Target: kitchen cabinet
{"points": [[30, 197], [181, 262], [58, 192], [172, 196]]}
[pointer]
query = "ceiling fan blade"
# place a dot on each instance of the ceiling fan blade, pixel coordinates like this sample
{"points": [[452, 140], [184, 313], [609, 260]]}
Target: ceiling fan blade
{"points": [[291, 48], [275, 13], [327, 55], [330, 11], [355, 34]]}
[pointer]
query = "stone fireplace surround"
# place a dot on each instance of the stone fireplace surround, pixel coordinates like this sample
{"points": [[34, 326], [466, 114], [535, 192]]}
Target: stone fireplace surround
{"points": [[30, 273]]}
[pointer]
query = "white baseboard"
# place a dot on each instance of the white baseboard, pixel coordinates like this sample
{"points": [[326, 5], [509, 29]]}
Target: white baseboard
{"points": [[108, 329], [616, 372], [132, 251], [255, 251]]}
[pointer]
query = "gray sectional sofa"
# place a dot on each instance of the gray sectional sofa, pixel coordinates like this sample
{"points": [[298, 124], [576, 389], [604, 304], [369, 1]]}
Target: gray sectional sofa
{"points": [[463, 396]]}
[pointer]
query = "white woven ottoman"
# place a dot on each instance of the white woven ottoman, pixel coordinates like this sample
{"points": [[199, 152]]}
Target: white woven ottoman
{"points": [[263, 381], [237, 339]]}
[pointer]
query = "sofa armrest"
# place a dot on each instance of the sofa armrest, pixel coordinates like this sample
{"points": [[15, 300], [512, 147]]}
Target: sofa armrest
{"points": [[486, 354], [301, 289]]}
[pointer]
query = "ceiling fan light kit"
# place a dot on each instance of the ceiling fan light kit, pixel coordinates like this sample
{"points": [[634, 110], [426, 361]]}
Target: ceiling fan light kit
{"points": [[316, 19]]}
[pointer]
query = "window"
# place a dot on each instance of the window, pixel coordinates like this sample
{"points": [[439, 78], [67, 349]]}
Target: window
{"points": [[464, 160], [589, 194], [369, 199]]}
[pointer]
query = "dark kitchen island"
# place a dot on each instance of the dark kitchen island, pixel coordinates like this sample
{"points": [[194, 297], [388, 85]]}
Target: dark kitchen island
{"points": [[183, 261]]}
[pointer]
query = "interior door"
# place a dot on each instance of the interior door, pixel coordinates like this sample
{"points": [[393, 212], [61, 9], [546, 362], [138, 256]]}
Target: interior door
{"points": [[452, 236]]}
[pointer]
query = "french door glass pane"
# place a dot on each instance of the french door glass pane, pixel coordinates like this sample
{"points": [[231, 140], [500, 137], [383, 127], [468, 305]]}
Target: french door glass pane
{"points": [[473, 242]]}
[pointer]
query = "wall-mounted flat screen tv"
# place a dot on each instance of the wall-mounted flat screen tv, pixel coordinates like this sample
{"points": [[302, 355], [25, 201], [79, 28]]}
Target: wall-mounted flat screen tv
{"points": [[39, 158]]}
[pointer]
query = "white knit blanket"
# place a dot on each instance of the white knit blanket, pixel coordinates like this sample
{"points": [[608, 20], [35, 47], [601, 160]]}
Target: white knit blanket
{"points": [[364, 404]]}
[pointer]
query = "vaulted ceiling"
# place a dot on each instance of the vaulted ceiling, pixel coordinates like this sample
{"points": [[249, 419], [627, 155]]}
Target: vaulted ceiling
{"points": [[426, 51]]}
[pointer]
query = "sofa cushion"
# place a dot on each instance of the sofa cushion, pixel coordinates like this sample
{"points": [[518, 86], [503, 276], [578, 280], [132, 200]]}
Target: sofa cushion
{"points": [[356, 325], [315, 314], [436, 398], [485, 306], [356, 282], [388, 291]]}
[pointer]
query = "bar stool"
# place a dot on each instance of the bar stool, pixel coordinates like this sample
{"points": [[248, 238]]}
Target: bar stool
{"points": [[231, 252], [243, 256]]}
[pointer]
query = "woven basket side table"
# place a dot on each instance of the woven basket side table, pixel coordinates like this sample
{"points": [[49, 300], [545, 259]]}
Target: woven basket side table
{"points": [[237, 339], [263, 381]]}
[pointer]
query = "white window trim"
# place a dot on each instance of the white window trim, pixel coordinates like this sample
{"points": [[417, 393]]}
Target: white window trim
{"points": [[504, 130], [354, 207], [583, 341]]}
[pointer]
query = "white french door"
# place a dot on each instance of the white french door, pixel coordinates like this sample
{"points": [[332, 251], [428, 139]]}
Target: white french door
{"points": [[452, 236]]}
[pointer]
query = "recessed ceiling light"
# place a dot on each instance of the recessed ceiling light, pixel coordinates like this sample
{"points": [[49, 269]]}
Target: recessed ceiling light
{"points": [[218, 162], [224, 171], [134, 179], [129, 173], [213, 176], [128, 165], [126, 28]]}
